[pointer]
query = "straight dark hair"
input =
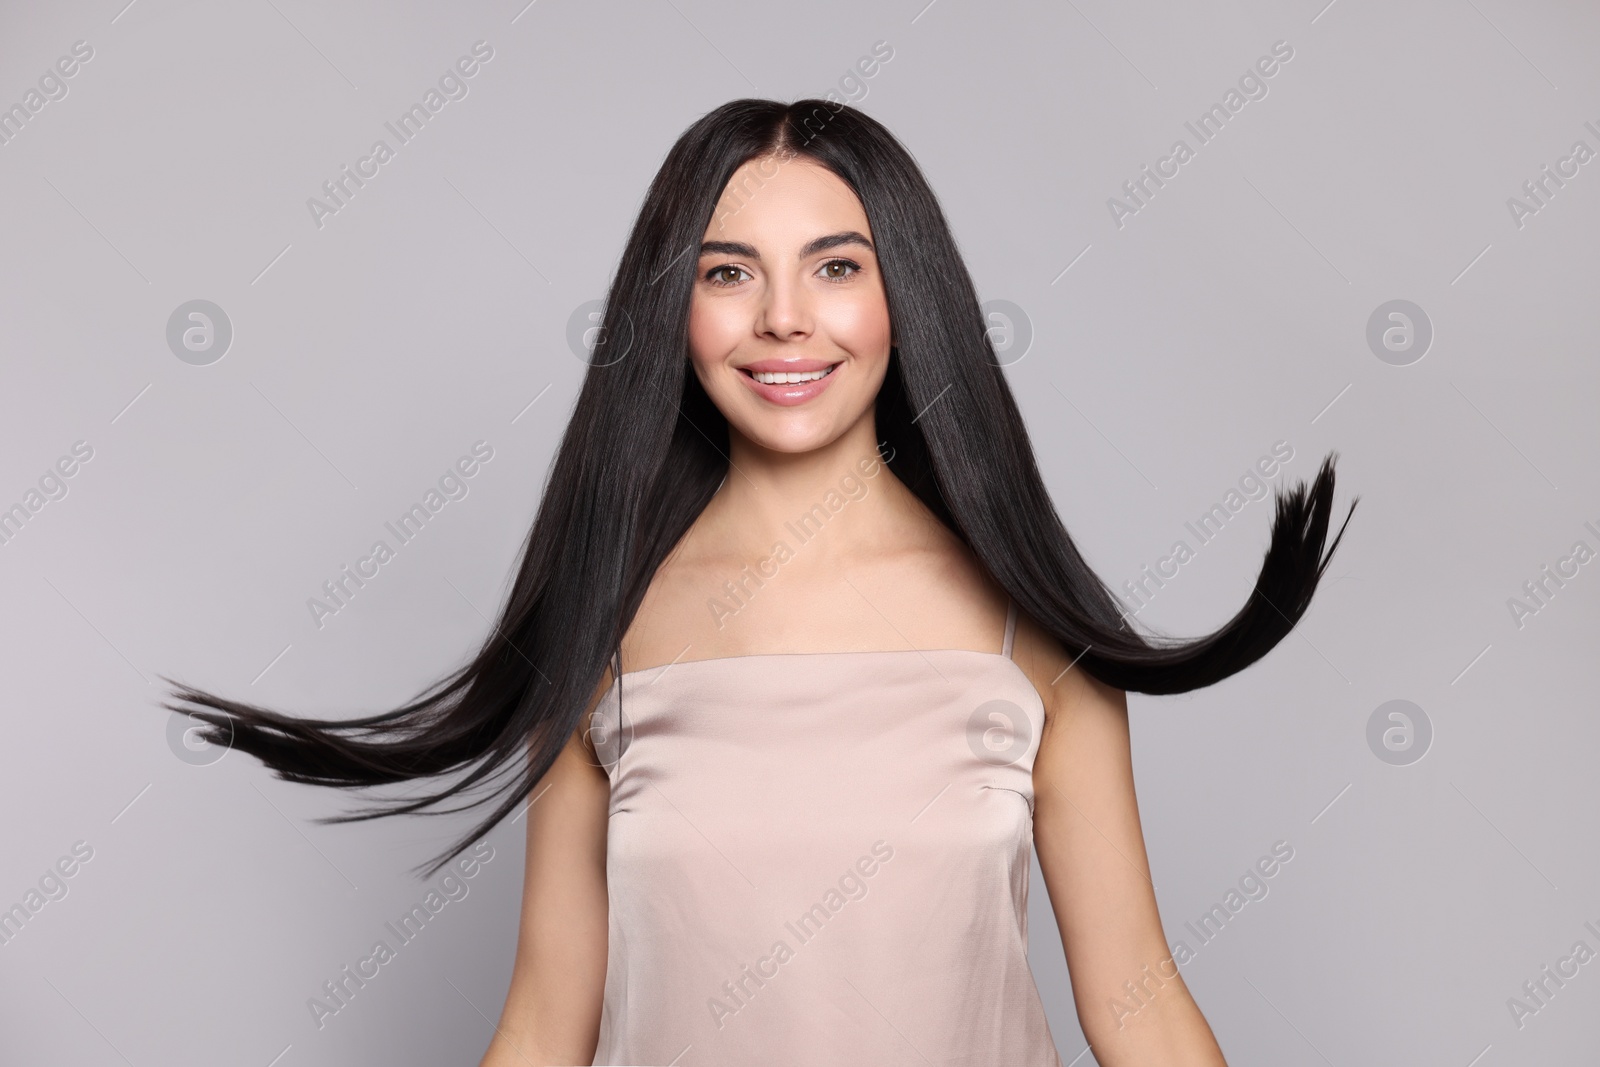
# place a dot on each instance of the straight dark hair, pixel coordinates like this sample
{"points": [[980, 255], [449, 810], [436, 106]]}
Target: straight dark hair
{"points": [[645, 449]]}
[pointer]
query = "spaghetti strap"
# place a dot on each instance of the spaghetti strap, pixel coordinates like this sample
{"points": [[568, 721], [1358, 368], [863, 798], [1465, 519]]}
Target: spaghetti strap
{"points": [[1011, 628]]}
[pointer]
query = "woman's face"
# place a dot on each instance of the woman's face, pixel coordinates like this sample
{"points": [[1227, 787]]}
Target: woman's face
{"points": [[788, 285]]}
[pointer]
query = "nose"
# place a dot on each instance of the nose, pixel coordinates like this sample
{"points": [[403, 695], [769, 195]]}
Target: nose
{"points": [[785, 310]]}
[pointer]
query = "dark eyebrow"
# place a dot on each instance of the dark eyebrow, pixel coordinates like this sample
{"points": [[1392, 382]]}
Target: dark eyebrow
{"points": [[820, 244]]}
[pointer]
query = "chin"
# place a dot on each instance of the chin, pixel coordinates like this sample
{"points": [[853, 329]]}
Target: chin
{"points": [[799, 437]]}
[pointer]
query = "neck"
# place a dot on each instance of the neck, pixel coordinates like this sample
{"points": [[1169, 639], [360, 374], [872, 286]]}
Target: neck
{"points": [[841, 497]]}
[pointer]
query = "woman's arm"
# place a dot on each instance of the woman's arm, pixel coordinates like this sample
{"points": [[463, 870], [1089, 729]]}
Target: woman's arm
{"points": [[552, 1011], [1132, 1003]]}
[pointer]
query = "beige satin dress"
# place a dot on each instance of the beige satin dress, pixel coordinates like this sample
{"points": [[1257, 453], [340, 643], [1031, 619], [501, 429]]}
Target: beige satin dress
{"points": [[821, 859]]}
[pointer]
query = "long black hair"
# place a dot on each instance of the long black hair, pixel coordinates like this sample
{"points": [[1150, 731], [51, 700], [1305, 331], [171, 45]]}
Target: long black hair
{"points": [[645, 449]]}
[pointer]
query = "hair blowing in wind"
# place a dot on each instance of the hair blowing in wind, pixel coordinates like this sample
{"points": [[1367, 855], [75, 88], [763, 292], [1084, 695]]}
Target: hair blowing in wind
{"points": [[645, 449]]}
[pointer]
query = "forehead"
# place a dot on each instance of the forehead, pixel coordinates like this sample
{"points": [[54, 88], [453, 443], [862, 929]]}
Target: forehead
{"points": [[780, 201]]}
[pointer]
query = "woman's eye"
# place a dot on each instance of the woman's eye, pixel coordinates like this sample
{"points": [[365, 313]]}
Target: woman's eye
{"points": [[848, 268], [720, 275]]}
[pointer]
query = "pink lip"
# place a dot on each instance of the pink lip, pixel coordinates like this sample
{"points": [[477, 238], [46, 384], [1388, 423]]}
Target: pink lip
{"points": [[797, 366], [788, 395]]}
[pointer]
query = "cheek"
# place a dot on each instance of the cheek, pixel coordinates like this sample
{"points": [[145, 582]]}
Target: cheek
{"points": [[712, 334], [862, 328]]}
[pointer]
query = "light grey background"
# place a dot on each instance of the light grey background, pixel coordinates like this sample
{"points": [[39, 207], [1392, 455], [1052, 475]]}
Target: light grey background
{"points": [[1167, 356]]}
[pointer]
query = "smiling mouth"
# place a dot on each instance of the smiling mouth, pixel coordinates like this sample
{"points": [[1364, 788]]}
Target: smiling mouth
{"points": [[789, 377]]}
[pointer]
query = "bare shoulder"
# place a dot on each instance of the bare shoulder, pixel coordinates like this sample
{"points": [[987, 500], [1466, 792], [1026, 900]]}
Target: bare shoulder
{"points": [[1064, 686]]}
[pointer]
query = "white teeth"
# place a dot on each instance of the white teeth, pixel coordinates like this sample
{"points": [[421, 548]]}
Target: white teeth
{"points": [[790, 377]]}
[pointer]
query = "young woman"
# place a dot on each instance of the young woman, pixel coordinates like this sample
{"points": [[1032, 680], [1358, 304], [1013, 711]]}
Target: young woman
{"points": [[800, 663]]}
